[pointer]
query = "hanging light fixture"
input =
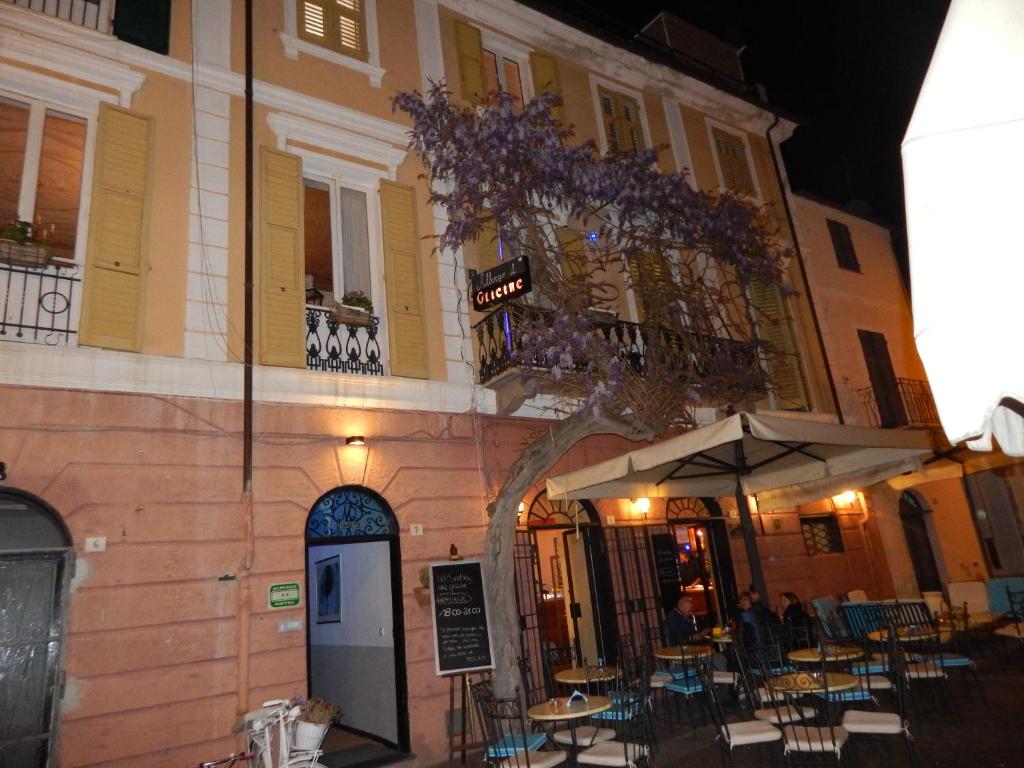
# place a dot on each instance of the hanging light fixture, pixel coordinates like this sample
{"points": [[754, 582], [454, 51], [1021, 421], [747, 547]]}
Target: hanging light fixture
{"points": [[355, 440]]}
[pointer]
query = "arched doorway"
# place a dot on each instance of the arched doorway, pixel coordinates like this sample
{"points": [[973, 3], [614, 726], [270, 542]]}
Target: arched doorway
{"points": [[555, 610], [356, 638], [36, 559], [915, 528], [699, 531]]}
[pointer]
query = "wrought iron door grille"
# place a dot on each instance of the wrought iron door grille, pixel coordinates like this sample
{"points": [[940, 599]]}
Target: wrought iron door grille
{"points": [[636, 595]]}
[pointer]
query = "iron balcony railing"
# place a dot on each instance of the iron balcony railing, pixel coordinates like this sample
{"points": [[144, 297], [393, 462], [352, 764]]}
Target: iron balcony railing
{"points": [[39, 305], [91, 14], [496, 341], [339, 348], [908, 404]]}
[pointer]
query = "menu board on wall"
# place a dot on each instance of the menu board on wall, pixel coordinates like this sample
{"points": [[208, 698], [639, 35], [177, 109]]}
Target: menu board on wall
{"points": [[666, 568], [462, 632]]}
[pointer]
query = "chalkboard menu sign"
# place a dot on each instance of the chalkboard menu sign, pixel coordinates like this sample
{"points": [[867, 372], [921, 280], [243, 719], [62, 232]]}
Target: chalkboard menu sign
{"points": [[462, 635], [666, 568]]}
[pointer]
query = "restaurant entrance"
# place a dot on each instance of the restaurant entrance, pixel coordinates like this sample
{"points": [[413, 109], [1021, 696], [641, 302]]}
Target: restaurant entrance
{"points": [[556, 565], [705, 560]]}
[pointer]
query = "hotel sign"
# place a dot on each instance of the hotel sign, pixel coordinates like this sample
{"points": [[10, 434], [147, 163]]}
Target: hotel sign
{"points": [[501, 283]]}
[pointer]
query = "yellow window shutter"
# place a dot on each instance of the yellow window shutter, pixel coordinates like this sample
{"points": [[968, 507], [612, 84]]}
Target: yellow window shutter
{"points": [[282, 296], [732, 159], [632, 131], [115, 257], [407, 333], [487, 246], [544, 69], [472, 77], [610, 117], [787, 379], [573, 255]]}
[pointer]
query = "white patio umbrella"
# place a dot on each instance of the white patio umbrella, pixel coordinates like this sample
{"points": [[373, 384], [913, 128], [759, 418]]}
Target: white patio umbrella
{"points": [[782, 460], [962, 164]]}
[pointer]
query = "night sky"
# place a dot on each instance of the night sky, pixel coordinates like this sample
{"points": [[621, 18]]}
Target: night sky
{"points": [[848, 70]]}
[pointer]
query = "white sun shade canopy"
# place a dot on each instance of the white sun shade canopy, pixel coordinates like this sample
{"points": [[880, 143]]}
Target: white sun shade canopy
{"points": [[791, 461], [963, 167]]}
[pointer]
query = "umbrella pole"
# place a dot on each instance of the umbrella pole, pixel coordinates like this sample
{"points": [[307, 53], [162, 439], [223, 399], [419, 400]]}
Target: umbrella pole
{"points": [[747, 523]]}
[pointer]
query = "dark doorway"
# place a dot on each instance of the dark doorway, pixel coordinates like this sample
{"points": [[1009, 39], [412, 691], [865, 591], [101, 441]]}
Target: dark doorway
{"points": [[36, 561], [915, 529], [884, 383], [356, 632], [700, 531]]}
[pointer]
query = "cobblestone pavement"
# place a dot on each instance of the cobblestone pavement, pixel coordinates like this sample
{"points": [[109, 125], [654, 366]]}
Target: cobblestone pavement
{"points": [[973, 732]]}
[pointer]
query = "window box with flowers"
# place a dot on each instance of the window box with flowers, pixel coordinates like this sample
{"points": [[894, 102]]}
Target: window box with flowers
{"points": [[20, 248], [355, 308]]}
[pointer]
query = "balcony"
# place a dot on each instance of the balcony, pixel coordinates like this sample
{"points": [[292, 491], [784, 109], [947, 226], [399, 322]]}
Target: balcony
{"points": [[340, 348], [495, 340], [91, 14], [908, 404], [39, 305]]}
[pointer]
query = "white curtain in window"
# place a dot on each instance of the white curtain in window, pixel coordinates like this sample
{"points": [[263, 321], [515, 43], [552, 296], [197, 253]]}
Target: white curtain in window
{"points": [[355, 244]]}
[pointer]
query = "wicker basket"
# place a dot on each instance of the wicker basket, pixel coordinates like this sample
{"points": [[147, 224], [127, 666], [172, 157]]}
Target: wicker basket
{"points": [[34, 255], [308, 736]]}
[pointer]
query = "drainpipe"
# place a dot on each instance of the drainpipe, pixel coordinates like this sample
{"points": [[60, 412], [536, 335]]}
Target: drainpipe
{"points": [[784, 186]]}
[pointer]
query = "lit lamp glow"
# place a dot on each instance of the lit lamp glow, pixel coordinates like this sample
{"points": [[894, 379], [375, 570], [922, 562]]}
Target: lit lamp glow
{"points": [[845, 499], [642, 506], [355, 440]]}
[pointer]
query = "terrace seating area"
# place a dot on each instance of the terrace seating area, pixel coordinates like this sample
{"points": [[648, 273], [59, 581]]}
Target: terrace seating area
{"points": [[883, 690]]}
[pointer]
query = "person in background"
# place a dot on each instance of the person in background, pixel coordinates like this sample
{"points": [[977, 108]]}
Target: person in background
{"points": [[750, 624], [681, 624], [767, 616], [689, 569], [792, 613]]}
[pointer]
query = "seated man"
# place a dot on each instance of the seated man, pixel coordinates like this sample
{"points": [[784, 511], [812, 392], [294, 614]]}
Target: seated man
{"points": [[681, 624]]}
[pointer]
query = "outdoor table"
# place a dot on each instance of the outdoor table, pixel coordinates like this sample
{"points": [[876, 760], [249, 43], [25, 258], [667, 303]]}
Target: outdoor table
{"points": [[811, 682], [832, 653], [580, 676], [904, 634], [680, 652], [562, 708]]}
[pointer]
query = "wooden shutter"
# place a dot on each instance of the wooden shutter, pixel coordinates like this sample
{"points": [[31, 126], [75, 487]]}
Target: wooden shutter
{"points": [[336, 24], [487, 248], [732, 159], [884, 384], [407, 332], [470, 52], [646, 269], [573, 255], [315, 21], [621, 117], [115, 257], [773, 328], [846, 256], [544, 69], [282, 296]]}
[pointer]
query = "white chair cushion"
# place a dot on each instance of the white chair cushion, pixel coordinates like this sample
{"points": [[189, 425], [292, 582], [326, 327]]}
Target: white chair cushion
{"points": [[750, 732], [924, 671], [879, 683], [720, 677], [784, 715], [859, 721], [611, 753], [661, 679], [1016, 631], [810, 739], [537, 760], [586, 736]]}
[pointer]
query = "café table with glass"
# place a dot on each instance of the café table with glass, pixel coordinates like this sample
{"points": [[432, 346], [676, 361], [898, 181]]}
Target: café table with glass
{"points": [[570, 709]]}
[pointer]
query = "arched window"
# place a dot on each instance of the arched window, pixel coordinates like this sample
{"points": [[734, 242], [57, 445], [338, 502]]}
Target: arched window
{"points": [[350, 511]]}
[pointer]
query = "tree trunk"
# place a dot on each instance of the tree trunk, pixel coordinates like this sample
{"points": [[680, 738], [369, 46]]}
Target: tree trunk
{"points": [[536, 459]]}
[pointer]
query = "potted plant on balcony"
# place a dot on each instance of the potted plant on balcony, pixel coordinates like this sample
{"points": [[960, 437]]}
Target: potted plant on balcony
{"points": [[19, 247], [355, 308], [315, 717]]}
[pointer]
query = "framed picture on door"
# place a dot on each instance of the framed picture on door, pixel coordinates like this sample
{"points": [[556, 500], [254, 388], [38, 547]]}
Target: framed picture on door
{"points": [[328, 590]]}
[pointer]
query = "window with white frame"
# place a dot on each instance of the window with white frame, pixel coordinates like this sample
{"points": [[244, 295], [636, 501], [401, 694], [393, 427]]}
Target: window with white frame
{"points": [[337, 247], [734, 164], [339, 25], [621, 117], [504, 72], [42, 155]]}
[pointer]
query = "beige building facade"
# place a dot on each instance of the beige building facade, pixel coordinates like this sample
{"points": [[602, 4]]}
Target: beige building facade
{"points": [[121, 346]]}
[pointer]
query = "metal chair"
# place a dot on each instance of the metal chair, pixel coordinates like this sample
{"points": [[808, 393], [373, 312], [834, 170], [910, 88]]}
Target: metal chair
{"points": [[822, 740], [634, 744], [863, 723], [738, 734], [510, 743], [759, 695], [1014, 629], [555, 660]]}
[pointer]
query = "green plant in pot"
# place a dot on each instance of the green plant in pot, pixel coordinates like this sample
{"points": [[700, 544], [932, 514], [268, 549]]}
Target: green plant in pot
{"points": [[18, 231], [358, 301]]}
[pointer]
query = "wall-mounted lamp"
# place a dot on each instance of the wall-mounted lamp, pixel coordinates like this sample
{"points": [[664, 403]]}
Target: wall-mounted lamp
{"points": [[355, 440], [641, 506], [845, 499]]}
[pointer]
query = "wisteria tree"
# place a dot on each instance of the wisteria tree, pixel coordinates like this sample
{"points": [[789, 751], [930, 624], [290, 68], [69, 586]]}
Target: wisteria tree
{"points": [[591, 226]]}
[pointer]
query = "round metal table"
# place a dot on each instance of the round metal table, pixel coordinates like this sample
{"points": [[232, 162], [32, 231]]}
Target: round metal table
{"points": [[680, 652], [904, 634], [832, 653], [811, 682], [579, 675]]}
